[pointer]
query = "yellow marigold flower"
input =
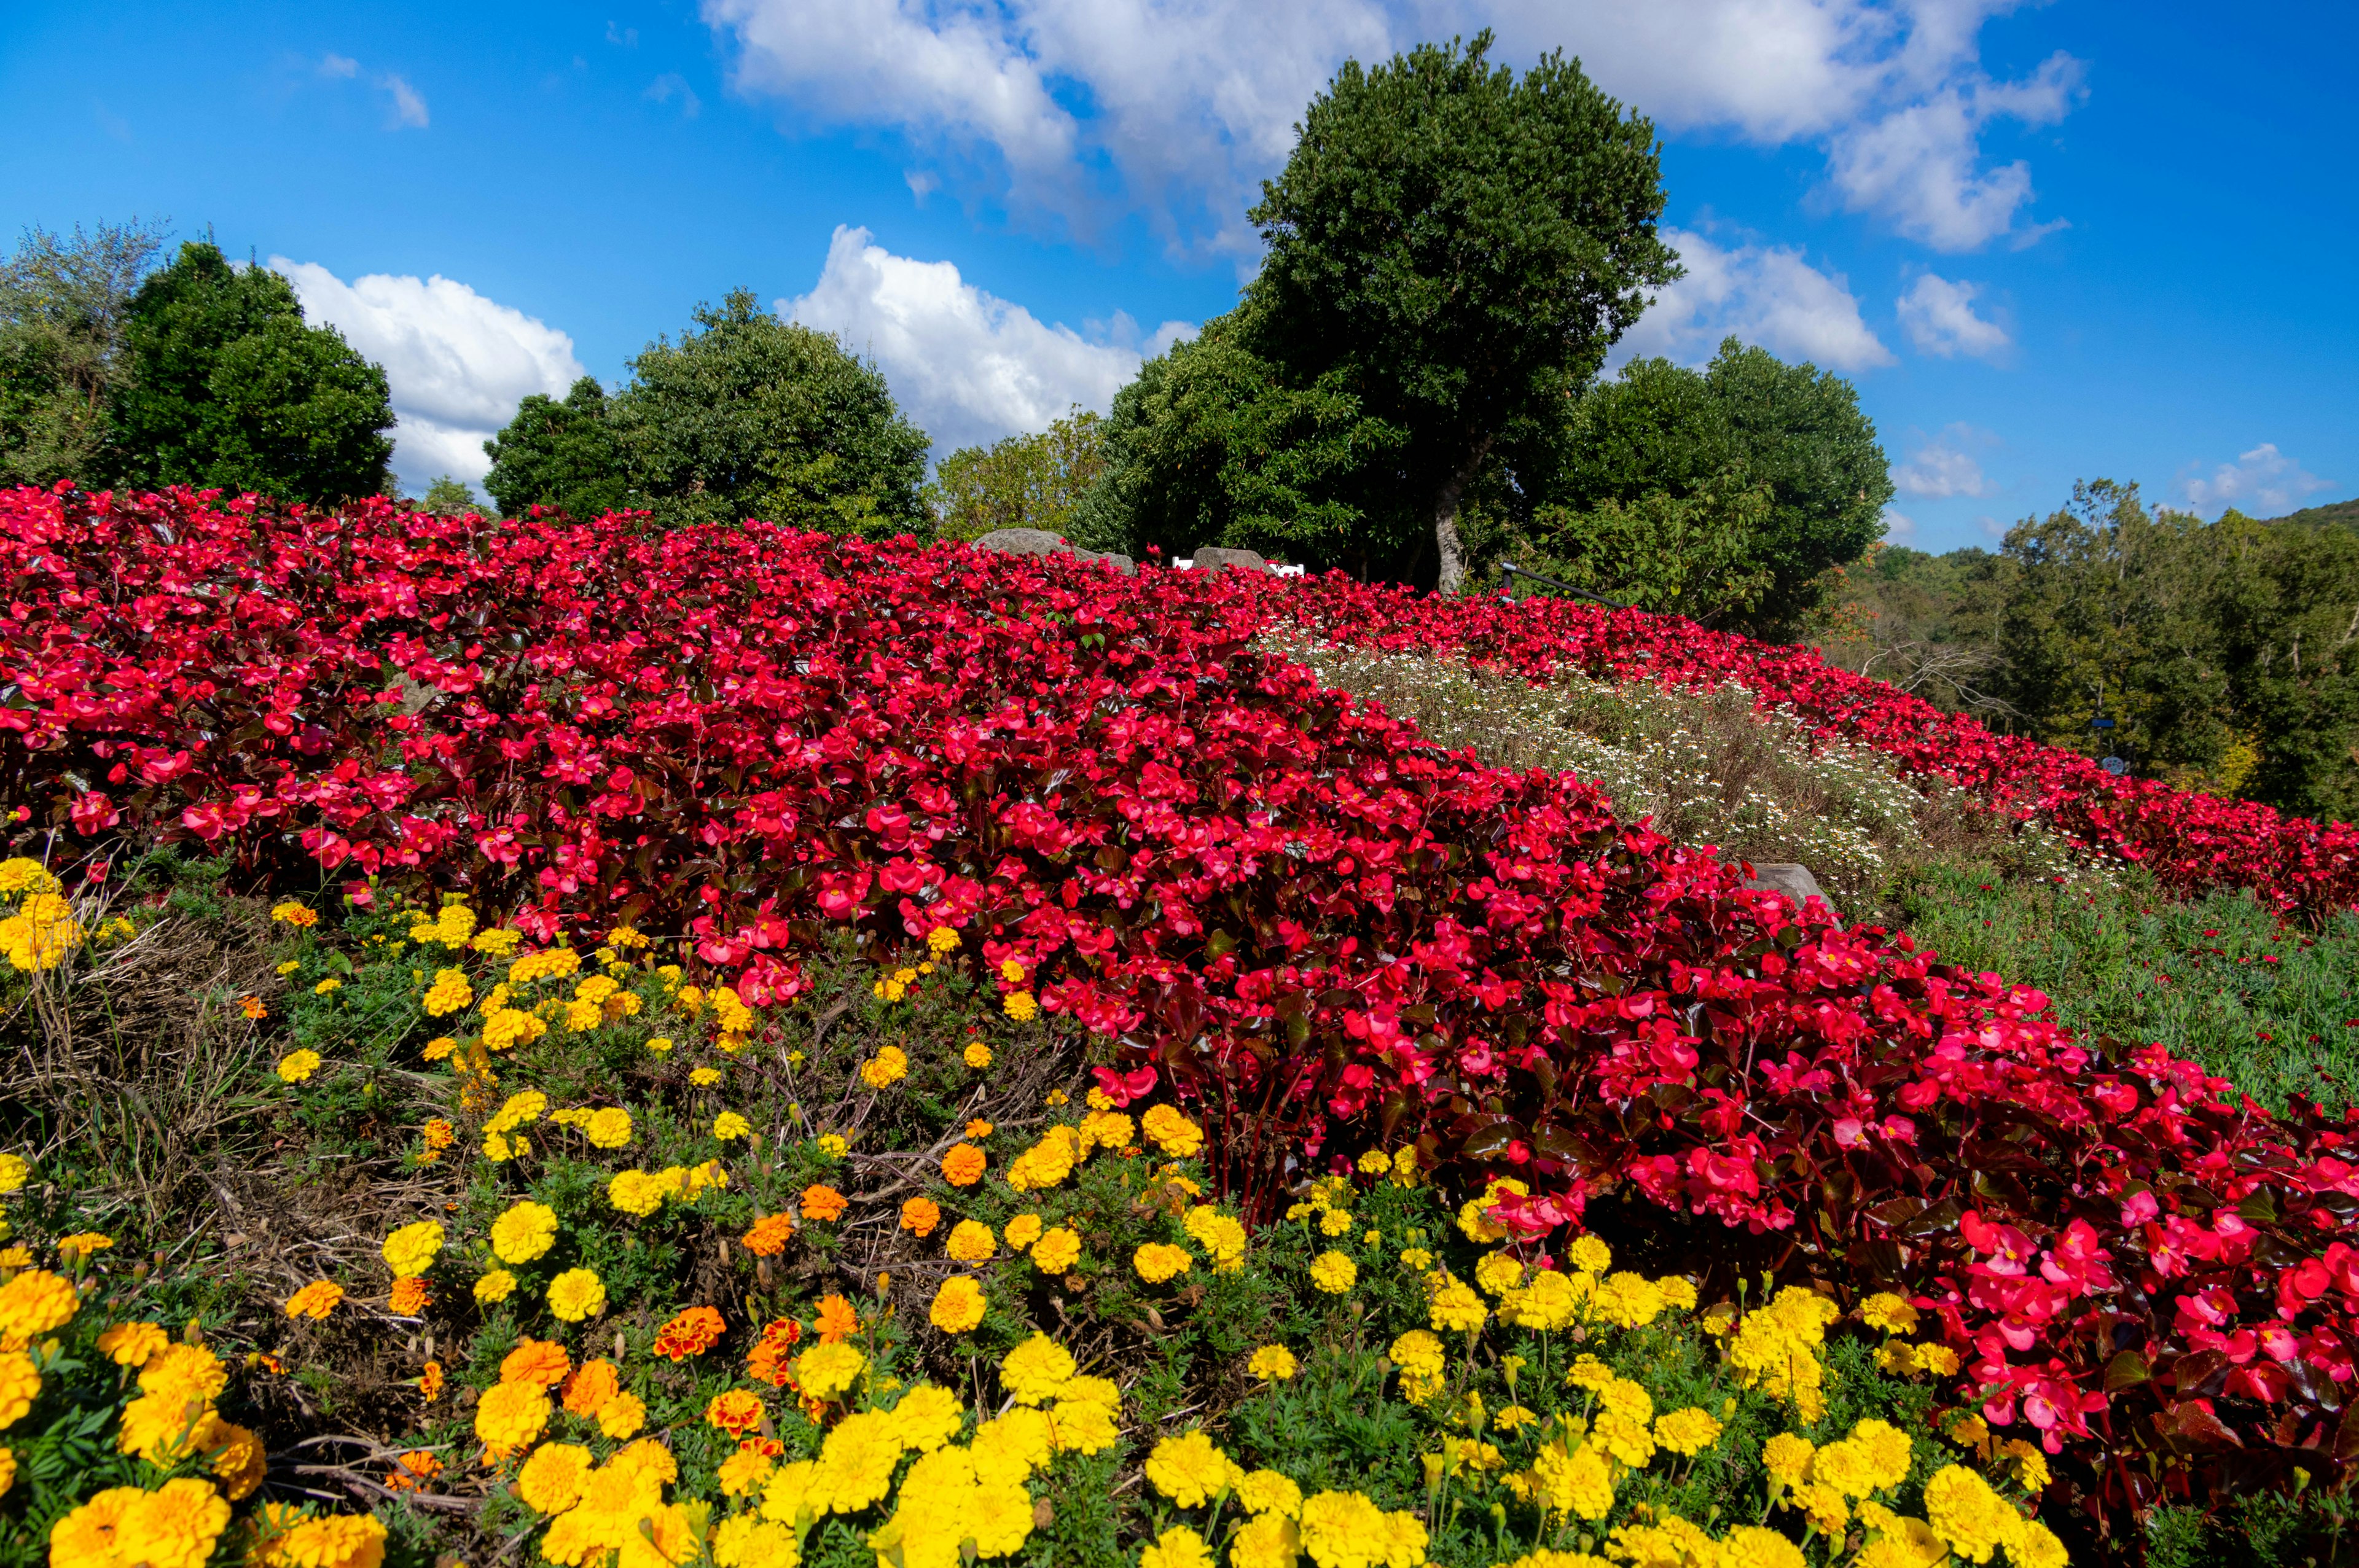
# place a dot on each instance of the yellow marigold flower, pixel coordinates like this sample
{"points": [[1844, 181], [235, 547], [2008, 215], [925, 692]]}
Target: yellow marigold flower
{"points": [[1334, 1272], [510, 1418], [888, 1067], [704, 1078], [36, 1303], [742, 1474], [173, 1526], [576, 1294], [941, 939], [14, 1170], [1456, 1306], [826, 1371], [1751, 1546], [1346, 1527], [958, 1305], [1020, 1006], [1965, 1512], [316, 1299], [525, 1232], [621, 1417], [729, 1125], [977, 1055], [1938, 1360], [506, 1028], [1676, 1292], [1023, 1231], [1272, 1363], [1222, 1236], [928, 1417], [1177, 1547], [1499, 1272], [131, 1344], [1588, 1255], [1036, 1372], [552, 1477], [1416, 1258], [20, 1384], [609, 1127], [832, 1144], [296, 1066], [1172, 1133], [411, 1251], [293, 914], [1888, 1452], [1788, 1456], [1158, 1261], [1687, 1432], [449, 993], [1059, 1249], [970, 1242], [495, 1287], [1417, 1351], [2030, 1465], [2037, 1547], [1190, 1470], [1889, 1313], [1268, 1492], [659, 1043]]}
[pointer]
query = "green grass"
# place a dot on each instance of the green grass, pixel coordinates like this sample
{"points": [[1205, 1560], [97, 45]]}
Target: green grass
{"points": [[2272, 1008]]}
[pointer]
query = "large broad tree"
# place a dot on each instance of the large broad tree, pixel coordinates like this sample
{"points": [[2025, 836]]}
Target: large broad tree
{"points": [[229, 387], [1747, 421], [1457, 248], [749, 416], [1020, 482], [64, 305], [559, 453]]}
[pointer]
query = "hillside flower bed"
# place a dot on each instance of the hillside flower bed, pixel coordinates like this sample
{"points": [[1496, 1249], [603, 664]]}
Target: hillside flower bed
{"points": [[1293, 923], [862, 1325]]}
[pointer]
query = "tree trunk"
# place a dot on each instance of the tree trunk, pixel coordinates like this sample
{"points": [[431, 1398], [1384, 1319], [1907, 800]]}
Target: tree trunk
{"points": [[1445, 518]]}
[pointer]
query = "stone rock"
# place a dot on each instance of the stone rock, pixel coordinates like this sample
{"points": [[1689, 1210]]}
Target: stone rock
{"points": [[1120, 563], [1022, 542], [1212, 559], [1794, 880]]}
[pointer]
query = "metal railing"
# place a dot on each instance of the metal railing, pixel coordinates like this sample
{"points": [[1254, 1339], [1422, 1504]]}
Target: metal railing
{"points": [[1509, 571]]}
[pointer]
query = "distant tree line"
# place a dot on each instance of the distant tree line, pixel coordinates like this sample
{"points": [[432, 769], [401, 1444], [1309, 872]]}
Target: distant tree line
{"points": [[2225, 654]]}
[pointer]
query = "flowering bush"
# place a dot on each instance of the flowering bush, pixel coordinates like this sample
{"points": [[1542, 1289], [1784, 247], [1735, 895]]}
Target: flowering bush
{"points": [[1315, 931]]}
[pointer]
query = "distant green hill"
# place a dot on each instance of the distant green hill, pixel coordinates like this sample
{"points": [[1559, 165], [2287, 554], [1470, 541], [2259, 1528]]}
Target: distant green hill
{"points": [[2343, 512]]}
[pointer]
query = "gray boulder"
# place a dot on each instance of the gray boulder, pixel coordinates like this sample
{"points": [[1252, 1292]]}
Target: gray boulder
{"points": [[1040, 542], [1212, 559], [1794, 880], [1022, 542]]}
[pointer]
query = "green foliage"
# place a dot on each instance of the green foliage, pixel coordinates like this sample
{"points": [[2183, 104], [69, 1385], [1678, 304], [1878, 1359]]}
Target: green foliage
{"points": [[2227, 653], [230, 388], [64, 304], [558, 454], [1691, 554], [2218, 980], [1021, 481], [1210, 445], [1453, 248], [446, 495], [1746, 422], [744, 416]]}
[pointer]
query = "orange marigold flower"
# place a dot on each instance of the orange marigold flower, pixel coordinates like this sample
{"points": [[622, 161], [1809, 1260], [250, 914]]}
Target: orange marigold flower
{"points": [[316, 1299], [734, 1412], [691, 1333], [920, 1216], [821, 1202], [768, 1238], [429, 1382], [766, 1362], [962, 1165], [837, 1320], [410, 1297], [543, 1363], [412, 1470], [252, 1007], [587, 1391]]}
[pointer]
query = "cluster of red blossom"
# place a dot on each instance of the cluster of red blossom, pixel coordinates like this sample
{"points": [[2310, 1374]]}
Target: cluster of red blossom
{"points": [[1321, 930]]}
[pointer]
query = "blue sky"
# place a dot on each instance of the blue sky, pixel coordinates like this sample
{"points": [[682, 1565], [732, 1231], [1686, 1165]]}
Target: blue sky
{"points": [[2046, 243]]}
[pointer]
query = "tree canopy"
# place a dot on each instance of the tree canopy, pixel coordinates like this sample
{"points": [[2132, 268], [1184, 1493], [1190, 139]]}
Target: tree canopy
{"points": [[1452, 249], [227, 387], [1021, 481], [744, 416], [65, 304]]}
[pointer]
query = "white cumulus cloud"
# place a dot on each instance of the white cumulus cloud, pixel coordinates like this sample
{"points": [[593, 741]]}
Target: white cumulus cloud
{"points": [[408, 106], [1177, 109], [967, 366], [2263, 482], [1941, 467], [1939, 317], [1767, 295], [456, 363]]}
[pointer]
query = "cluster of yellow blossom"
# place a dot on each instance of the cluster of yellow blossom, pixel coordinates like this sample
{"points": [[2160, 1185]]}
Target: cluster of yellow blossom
{"points": [[523, 1109], [288, 913], [606, 1126], [452, 926], [1776, 1347], [449, 993], [894, 986], [640, 1193], [1281, 1524], [887, 1067], [43, 930], [1222, 1236], [171, 1422], [411, 1251], [1894, 1317]]}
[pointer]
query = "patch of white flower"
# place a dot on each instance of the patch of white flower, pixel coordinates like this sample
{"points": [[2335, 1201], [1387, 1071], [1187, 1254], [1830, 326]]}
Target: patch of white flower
{"points": [[1702, 767]]}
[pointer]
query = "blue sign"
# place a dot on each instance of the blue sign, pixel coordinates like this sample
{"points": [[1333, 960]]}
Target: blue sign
{"points": [[2114, 765]]}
